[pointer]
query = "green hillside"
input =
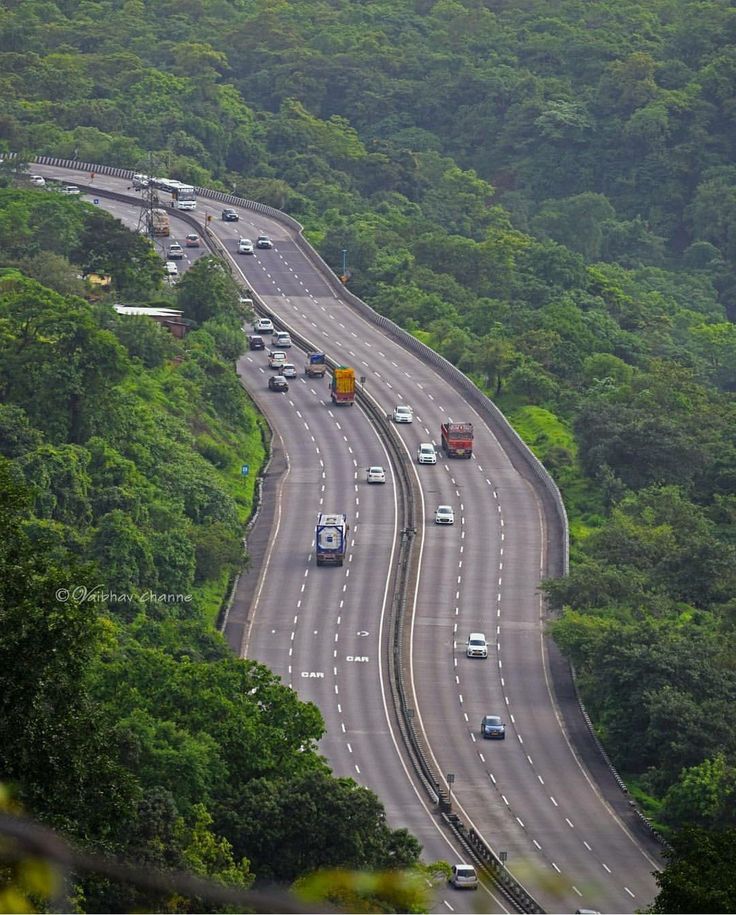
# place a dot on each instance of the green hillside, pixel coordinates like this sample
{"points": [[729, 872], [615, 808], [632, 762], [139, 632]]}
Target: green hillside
{"points": [[545, 192]]}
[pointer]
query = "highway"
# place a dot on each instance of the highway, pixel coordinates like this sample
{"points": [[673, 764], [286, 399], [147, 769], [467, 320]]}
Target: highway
{"points": [[529, 795]]}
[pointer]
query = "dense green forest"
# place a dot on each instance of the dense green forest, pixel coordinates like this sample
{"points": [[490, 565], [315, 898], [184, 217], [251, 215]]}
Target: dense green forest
{"points": [[125, 721], [545, 193]]}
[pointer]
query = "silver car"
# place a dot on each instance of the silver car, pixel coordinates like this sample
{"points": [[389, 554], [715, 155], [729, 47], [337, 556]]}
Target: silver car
{"points": [[403, 414], [463, 877]]}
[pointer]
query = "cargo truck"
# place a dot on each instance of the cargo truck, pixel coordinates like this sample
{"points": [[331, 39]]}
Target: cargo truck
{"points": [[342, 386], [457, 439], [331, 539], [158, 222], [315, 366]]}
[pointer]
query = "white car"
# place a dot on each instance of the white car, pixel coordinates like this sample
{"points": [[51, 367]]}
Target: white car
{"points": [[476, 646], [463, 877], [403, 414], [445, 514], [281, 339], [37, 180], [171, 268], [263, 325], [426, 453], [276, 359], [376, 475], [245, 246], [71, 189], [288, 370], [176, 252]]}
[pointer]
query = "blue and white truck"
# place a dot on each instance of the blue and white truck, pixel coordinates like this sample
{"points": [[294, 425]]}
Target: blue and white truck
{"points": [[331, 539]]}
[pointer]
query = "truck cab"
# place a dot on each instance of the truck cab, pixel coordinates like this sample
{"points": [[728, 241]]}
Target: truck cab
{"points": [[457, 439]]}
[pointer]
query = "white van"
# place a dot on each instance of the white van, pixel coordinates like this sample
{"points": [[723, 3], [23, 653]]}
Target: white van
{"points": [[426, 453]]}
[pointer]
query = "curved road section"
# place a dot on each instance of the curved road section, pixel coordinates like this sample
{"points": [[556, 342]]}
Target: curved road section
{"points": [[566, 834]]}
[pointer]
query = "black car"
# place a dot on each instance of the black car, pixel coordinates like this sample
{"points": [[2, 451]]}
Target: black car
{"points": [[492, 728], [256, 342], [229, 215], [263, 241], [278, 383]]}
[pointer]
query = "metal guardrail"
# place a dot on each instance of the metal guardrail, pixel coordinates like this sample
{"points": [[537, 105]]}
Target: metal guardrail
{"points": [[646, 822]]}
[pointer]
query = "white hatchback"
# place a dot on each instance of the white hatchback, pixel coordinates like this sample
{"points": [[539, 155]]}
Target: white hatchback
{"points": [[288, 370], [171, 268], [476, 646], [463, 877], [445, 514], [403, 414]]}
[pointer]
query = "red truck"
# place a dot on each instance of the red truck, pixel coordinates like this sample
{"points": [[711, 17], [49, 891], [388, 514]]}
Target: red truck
{"points": [[457, 439]]}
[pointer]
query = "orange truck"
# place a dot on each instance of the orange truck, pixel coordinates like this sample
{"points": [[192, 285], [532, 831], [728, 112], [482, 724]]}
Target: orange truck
{"points": [[342, 386], [457, 439]]}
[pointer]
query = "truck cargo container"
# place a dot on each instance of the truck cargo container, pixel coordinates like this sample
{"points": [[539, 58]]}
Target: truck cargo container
{"points": [[158, 222], [331, 538], [342, 386], [315, 366]]}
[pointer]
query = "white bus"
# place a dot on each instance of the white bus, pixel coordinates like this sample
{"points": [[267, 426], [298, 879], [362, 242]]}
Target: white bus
{"points": [[183, 196]]}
